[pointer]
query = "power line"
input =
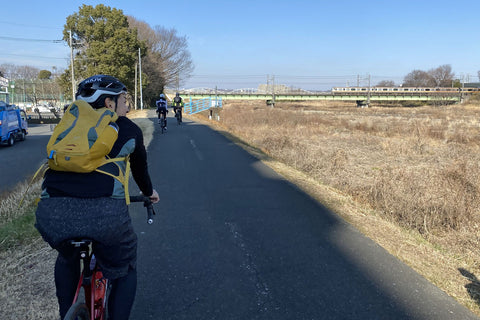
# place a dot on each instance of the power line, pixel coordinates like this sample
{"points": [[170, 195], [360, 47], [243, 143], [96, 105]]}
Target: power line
{"points": [[30, 40], [28, 56], [29, 25]]}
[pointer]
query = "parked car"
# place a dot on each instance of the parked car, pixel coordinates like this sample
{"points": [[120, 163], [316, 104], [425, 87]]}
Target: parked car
{"points": [[43, 108]]}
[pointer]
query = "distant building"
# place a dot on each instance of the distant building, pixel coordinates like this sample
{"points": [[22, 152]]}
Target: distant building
{"points": [[472, 85], [277, 88]]}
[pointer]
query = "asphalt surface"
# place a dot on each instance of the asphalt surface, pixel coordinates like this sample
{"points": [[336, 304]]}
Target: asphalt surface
{"points": [[20, 161], [234, 240]]}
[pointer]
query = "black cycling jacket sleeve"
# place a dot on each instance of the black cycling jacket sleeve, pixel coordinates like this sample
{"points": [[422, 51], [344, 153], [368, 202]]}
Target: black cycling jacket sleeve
{"points": [[139, 164]]}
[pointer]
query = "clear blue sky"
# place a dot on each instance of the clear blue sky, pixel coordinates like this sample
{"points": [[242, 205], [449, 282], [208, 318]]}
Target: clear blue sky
{"points": [[310, 44]]}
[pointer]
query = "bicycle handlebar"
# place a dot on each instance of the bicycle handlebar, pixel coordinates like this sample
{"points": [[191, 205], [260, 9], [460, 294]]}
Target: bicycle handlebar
{"points": [[147, 203]]}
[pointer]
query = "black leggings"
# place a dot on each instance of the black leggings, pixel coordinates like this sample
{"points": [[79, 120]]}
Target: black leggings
{"points": [[179, 110], [164, 115], [122, 292]]}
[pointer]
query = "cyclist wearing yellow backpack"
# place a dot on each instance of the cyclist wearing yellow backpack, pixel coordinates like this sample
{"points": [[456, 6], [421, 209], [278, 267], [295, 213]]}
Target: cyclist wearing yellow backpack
{"points": [[83, 193]]}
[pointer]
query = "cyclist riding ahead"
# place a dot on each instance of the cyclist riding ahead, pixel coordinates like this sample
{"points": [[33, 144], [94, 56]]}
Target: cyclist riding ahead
{"points": [[162, 109], [177, 107], [92, 205]]}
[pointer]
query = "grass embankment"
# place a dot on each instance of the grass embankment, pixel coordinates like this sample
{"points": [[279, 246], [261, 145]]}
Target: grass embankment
{"points": [[16, 223], [406, 177], [27, 289]]}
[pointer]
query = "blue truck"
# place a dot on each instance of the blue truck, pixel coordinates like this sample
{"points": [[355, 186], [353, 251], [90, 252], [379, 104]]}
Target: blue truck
{"points": [[13, 124]]}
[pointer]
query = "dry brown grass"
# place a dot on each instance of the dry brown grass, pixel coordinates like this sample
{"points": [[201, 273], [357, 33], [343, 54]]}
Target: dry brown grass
{"points": [[26, 276], [406, 177], [27, 290]]}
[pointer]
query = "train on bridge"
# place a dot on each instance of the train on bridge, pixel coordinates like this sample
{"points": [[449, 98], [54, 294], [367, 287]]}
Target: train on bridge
{"points": [[361, 95], [401, 90]]}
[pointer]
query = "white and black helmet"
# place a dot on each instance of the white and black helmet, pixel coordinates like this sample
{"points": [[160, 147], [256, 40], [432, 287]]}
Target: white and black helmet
{"points": [[99, 86]]}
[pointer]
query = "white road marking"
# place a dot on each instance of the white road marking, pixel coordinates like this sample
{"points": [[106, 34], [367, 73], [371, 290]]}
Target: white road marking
{"points": [[195, 149]]}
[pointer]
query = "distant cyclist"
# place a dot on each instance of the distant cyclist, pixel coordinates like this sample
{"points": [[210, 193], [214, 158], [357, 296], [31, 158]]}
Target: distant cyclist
{"points": [[177, 106], [162, 109]]}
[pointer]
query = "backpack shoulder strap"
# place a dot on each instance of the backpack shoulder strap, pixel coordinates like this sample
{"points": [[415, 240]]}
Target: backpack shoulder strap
{"points": [[122, 177]]}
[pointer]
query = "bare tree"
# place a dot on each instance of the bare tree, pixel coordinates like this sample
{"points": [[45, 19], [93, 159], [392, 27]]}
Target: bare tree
{"points": [[418, 78], [386, 83], [31, 84], [8, 70], [173, 52], [144, 31], [167, 62], [443, 75], [13, 72]]}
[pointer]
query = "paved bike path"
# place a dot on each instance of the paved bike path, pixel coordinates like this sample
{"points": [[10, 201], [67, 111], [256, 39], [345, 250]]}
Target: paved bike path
{"points": [[20, 161], [234, 240]]}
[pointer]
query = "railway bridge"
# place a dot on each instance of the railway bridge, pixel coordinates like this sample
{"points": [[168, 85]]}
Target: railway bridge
{"points": [[361, 98]]}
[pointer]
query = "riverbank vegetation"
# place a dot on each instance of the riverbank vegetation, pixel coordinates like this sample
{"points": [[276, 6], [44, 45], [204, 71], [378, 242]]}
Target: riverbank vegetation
{"points": [[410, 175]]}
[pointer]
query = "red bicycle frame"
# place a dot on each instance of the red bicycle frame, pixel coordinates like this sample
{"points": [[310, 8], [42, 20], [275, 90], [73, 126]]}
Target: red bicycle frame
{"points": [[93, 283]]}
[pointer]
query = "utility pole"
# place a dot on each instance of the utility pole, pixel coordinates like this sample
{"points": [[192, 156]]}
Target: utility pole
{"points": [[271, 81], [463, 87], [136, 83], [71, 64], [368, 95], [140, 71], [24, 94], [273, 90]]}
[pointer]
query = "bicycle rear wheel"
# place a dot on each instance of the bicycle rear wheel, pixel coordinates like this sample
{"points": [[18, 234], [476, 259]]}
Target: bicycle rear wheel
{"points": [[78, 311]]}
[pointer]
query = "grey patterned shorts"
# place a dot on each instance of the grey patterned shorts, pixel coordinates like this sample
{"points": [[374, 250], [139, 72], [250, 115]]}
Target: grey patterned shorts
{"points": [[104, 220]]}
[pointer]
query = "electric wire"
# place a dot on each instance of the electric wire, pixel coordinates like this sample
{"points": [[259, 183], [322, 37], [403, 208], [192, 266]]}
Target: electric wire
{"points": [[30, 40]]}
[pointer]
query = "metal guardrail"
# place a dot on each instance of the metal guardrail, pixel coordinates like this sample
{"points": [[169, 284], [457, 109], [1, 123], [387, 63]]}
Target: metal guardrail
{"points": [[43, 118], [195, 106]]}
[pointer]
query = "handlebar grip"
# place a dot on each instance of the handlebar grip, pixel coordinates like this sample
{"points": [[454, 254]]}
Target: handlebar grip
{"points": [[147, 203], [150, 214]]}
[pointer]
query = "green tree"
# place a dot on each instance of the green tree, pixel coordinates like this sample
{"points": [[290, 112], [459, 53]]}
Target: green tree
{"points": [[103, 44], [456, 83], [44, 75]]}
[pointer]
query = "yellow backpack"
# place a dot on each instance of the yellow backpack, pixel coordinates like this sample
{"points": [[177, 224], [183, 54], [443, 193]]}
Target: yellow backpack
{"points": [[82, 139], [81, 142]]}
